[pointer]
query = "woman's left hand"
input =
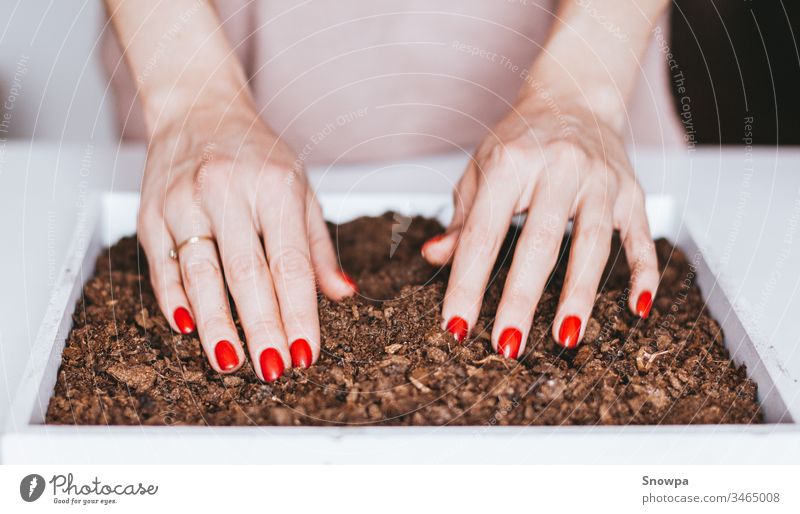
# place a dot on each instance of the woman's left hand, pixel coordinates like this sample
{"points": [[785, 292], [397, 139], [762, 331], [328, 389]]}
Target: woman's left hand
{"points": [[555, 163]]}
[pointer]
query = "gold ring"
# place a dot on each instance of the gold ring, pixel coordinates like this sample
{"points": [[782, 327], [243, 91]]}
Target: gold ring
{"points": [[173, 252]]}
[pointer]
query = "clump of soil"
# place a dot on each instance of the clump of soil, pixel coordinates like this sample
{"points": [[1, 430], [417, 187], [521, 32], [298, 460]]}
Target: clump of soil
{"points": [[386, 361]]}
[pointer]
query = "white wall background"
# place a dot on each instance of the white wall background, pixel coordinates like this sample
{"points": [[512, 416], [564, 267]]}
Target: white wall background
{"points": [[52, 90], [50, 72]]}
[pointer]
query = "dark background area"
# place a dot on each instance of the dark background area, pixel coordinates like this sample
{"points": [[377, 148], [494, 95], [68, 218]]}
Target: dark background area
{"points": [[739, 58]]}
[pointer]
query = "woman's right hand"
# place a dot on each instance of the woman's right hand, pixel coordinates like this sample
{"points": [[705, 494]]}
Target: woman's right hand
{"points": [[220, 173]]}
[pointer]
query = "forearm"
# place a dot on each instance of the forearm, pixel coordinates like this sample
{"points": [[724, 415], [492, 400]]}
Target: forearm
{"points": [[178, 55], [592, 56]]}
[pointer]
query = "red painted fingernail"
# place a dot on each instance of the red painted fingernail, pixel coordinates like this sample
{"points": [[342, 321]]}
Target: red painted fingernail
{"points": [[644, 304], [433, 240], [226, 356], [271, 364], [570, 332], [350, 282], [184, 320], [458, 327], [508, 344], [301, 354]]}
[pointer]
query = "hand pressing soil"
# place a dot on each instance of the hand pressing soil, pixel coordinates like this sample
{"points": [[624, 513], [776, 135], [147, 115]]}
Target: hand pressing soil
{"points": [[386, 361]]}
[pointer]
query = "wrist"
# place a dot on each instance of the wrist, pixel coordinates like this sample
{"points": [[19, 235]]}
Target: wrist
{"points": [[602, 101], [172, 105], [587, 66]]}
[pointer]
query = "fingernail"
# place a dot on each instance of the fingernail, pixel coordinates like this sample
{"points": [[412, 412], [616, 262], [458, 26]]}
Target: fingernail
{"points": [[301, 353], [350, 282], [433, 240], [226, 356], [183, 320], [458, 327], [508, 344], [644, 304], [271, 364], [570, 332]]}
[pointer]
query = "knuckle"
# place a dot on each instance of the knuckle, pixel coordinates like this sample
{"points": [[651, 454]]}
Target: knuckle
{"points": [[599, 183], [642, 261], [519, 299], [265, 327], [291, 264], [644, 250], [177, 189], [149, 216], [199, 270], [566, 149], [216, 320], [158, 283], [479, 242], [299, 315], [544, 242], [163, 280], [505, 160], [214, 178], [594, 236], [553, 179], [635, 192], [463, 289], [283, 176], [319, 240], [244, 267], [276, 201]]}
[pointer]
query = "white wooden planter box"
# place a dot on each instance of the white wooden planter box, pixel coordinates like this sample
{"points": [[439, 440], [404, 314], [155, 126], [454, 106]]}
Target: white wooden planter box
{"points": [[111, 216]]}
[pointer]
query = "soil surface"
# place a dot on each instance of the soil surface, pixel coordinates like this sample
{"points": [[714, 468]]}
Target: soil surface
{"points": [[386, 361]]}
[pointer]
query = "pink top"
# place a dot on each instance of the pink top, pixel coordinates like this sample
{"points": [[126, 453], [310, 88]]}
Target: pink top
{"points": [[355, 80]]}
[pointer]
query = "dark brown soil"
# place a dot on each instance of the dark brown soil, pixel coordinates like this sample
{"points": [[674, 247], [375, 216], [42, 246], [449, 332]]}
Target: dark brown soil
{"points": [[386, 361]]}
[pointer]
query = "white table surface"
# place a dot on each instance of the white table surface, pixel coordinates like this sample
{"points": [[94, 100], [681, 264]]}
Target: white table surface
{"points": [[743, 208]]}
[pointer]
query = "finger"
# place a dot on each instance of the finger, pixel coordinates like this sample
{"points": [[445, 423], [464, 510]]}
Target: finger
{"points": [[640, 249], [591, 244], [283, 225], [165, 274], [251, 287], [438, 250], [534, 258], [202, 278], [333, 281], [481, 237]]}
